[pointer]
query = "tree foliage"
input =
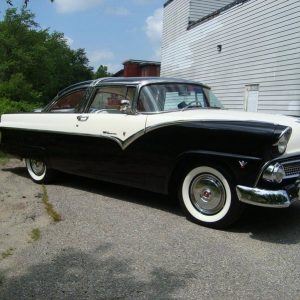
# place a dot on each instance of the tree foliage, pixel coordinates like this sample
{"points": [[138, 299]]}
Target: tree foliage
{"points": [[10, 2], [102, 71], [34, 63]]}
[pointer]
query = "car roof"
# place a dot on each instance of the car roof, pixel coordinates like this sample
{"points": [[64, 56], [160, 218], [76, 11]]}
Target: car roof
{"points": [[146, 80], [127, 80], [78, 85]]}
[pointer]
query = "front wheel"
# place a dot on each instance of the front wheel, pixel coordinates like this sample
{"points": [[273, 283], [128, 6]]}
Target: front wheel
{"points": [[38, 171], [207, 197]]}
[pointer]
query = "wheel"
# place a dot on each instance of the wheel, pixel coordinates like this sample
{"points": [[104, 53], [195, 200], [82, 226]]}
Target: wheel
{"points": [[207, 197], [38, 171]]}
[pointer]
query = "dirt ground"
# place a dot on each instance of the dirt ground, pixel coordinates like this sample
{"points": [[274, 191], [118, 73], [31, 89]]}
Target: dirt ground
{"points": [[21, 211]]}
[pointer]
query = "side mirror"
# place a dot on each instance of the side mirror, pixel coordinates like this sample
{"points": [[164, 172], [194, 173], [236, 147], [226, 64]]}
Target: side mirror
{"points": [[125, 106]]}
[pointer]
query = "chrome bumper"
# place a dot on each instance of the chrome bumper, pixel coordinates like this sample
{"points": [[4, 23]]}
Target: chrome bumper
{"points": [[267, 198]]}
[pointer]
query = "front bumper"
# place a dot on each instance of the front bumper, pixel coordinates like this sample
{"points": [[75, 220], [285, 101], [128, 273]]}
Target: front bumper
{"points": [[268, 198]]}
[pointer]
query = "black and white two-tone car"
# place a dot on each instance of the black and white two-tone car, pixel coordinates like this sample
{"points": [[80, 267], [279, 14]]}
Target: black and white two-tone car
{"points": [[165, 135]]}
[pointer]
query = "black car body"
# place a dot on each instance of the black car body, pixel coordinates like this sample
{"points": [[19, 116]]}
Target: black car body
{"points": [[162, 135]]}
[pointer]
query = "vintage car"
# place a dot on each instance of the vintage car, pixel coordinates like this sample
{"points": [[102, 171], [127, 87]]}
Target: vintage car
{"points": [[164, 135]]}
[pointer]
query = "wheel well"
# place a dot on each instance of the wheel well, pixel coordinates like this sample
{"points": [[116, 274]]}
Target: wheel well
{"points": [[187, 162]]}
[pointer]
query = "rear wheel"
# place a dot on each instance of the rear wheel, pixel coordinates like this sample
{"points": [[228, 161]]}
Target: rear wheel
{"points": [[38, 171], [207, 197]]}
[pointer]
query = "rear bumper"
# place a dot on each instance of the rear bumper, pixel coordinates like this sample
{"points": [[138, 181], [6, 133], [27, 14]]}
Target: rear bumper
{"points": [[269, 198]]}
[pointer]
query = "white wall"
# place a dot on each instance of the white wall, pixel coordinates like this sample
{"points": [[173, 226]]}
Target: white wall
{"points": [[260, 45]]}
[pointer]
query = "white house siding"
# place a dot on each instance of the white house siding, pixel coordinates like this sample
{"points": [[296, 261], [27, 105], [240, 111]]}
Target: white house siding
{"points": [[175, 23], [260, 45], [202, 8]]}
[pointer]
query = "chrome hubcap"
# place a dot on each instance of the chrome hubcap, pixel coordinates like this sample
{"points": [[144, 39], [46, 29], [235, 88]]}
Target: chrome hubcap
{"points": [[207, 194], [38, 167]]}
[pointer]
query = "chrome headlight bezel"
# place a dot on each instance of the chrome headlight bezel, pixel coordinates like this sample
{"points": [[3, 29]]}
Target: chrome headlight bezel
{"points": [[281, 144]]}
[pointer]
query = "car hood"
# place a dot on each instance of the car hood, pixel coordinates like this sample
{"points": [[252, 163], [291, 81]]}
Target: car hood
{"points": [[227, 115]]}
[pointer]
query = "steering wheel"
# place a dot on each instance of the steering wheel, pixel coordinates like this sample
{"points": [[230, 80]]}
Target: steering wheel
{"points": [[190, 104]]}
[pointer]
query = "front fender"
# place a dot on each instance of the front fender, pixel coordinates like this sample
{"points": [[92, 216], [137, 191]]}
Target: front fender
{"points": [[244, 169]]}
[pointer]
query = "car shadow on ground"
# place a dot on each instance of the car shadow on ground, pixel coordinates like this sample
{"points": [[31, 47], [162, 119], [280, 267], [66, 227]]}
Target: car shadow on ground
{"points": [[122, 193], [280, 226], [73, 274]]}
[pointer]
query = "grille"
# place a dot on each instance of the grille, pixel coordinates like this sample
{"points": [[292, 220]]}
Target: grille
{"points": [[292, 169]]}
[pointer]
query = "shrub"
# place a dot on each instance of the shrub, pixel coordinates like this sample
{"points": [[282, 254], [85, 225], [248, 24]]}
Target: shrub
{"points": [[18, 89], [8, 106]]}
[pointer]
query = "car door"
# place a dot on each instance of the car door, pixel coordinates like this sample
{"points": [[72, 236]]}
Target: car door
{"points": [[108, 129], [60, 137]]}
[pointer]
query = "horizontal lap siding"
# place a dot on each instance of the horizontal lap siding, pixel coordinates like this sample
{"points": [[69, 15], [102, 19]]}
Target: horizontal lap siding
{"points": [[175, 20], [202, 8], [260, 45]]}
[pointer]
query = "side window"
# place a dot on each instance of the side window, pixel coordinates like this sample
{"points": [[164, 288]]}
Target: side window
{"points": [[68, 103], [149, 101], [168, 97], [131, 90], [108, 98]]}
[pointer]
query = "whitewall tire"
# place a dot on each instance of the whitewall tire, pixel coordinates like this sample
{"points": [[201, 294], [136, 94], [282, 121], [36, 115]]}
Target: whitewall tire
{"points": [[38, 170], [207, 198]]}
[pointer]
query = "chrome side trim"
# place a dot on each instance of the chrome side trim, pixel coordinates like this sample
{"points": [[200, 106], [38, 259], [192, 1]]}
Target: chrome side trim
{"points": [[166, 124], [132, 139], [188, 121], [265, 198], [223, 154]]}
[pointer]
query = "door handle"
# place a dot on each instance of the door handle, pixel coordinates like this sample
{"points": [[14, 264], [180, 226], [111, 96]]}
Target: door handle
{"points": [[82, 118], [110, 133]]}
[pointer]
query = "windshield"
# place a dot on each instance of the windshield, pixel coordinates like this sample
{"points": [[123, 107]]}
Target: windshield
{"points": [[171, 96], [212, 99]]}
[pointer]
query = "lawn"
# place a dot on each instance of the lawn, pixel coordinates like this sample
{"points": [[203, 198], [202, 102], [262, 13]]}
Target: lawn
{"points": [[3, 158]]}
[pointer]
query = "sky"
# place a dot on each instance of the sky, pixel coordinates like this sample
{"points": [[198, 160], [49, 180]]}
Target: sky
{"points": [[111, 31]]}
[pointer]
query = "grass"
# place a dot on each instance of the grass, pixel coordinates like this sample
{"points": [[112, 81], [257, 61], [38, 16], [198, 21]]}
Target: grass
{"points": [[53, 214], [3, 158], [7, 253], [2, 279], [35, 234]]}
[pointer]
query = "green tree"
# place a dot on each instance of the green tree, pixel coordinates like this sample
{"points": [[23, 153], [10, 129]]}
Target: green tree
{"points": [[10, 2], [102, 71], [34, 63]]}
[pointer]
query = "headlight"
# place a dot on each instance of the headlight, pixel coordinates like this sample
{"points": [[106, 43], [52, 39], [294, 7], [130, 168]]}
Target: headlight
{"points": [[274, 173], [282, 143]]}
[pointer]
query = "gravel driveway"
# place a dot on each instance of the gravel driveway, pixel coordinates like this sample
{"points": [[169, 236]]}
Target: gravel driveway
{"points": [[120, 243]]}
